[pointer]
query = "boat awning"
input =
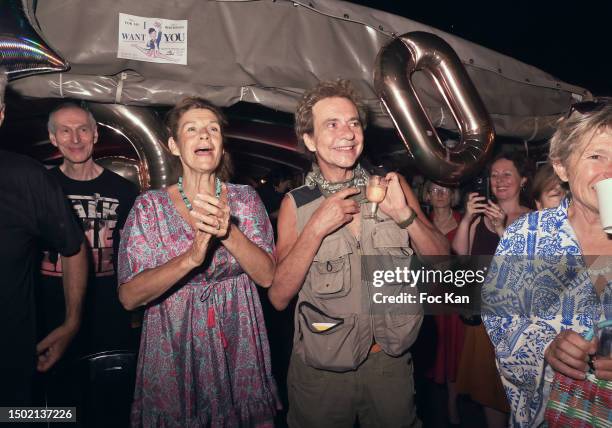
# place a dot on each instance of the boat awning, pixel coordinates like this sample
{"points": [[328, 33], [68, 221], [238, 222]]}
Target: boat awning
{"points": [[268, 52]]}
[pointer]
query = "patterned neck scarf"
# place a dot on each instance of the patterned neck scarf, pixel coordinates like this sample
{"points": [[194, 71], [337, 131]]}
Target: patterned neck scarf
{"points": [[315, 179]]}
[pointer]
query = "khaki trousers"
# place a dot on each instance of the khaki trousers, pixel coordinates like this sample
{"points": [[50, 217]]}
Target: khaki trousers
{"points": [[380, 393]]}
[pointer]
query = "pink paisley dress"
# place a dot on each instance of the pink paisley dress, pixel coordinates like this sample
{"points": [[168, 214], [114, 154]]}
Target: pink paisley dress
{"points": [[204, 358]]}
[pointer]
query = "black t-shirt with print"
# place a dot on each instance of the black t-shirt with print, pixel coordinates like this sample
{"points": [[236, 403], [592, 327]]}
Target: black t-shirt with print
{"points": [[102, 206], [33, 212]]}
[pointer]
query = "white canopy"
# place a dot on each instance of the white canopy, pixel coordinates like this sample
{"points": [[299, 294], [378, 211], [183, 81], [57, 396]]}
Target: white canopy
{"points": [[268, 52]]}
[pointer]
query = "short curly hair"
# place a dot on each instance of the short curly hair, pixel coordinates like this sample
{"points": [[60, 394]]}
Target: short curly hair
{"points": [[341, 88], [578, 128]]}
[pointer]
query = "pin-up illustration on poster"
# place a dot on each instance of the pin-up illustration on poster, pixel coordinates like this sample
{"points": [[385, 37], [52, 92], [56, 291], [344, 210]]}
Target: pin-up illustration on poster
{"points": [[152, 39]]}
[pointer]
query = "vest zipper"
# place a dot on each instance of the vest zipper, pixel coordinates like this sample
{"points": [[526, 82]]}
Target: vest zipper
{"points": [[373, 335]]}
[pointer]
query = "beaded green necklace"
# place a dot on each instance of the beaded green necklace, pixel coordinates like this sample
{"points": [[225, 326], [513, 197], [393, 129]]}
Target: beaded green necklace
{"points": [[184, 196]]}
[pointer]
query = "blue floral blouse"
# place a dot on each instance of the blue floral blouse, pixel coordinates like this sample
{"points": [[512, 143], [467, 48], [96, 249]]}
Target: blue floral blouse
{"points": [[538, 285]]}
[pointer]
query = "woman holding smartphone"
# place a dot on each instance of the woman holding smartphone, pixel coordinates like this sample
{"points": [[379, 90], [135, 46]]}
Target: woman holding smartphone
{"points": [[478, 233], [484, 219]]}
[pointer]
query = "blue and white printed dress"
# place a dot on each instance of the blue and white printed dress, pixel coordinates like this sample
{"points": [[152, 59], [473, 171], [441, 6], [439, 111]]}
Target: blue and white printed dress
{"points": [[537, 286]]}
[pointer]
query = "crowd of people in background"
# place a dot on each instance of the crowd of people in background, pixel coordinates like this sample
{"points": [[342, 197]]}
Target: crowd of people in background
{"points": [[198, 262]]}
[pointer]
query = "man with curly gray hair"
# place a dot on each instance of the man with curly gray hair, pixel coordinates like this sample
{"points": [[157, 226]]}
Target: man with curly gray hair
{"points": [[350, 356]]}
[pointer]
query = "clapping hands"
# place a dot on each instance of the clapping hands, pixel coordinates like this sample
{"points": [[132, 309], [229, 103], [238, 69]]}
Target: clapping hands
{"points": [[211, 217]]}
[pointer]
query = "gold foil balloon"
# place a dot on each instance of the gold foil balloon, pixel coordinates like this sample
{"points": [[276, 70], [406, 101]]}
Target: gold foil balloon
{"points": [[426, 52]]}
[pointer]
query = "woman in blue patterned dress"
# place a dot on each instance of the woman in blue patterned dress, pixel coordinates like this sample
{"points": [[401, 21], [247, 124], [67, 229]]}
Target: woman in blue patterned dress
{"points": [[539, 297], [191, 254]]}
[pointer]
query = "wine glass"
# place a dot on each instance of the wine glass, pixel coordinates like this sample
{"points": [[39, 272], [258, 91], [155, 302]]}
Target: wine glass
{"points": [[376, 190]]}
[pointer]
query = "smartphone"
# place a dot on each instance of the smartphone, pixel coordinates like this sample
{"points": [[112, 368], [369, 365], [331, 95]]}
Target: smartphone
{"points": [[481, 186]]}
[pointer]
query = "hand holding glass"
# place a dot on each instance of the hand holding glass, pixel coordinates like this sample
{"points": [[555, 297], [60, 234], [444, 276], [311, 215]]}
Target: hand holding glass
{"points": [[603, 333], [604, 196], [375, 193]]}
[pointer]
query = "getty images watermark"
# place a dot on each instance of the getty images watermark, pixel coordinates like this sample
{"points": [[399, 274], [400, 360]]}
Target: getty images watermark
{"points": [[435, 284], [471, 285], [407, 277]]}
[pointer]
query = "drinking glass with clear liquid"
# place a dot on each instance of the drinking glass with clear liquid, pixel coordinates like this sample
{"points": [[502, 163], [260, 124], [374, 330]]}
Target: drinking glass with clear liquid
{"points": [[376, 190]]}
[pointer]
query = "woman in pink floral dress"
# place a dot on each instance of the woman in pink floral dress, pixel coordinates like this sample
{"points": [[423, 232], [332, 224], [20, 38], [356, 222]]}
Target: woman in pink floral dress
{"points": [[191, 254]]}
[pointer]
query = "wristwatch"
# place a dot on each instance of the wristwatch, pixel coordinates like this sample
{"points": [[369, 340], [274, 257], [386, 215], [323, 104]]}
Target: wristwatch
{"points": [[404, 224]]}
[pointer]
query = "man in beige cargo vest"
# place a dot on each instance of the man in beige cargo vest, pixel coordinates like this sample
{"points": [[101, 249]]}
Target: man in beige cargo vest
{"points": [[348, 362]]}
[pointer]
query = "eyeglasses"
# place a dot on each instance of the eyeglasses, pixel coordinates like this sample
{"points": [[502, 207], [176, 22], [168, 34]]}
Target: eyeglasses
{"points": [[439, 191], [585, 107]]}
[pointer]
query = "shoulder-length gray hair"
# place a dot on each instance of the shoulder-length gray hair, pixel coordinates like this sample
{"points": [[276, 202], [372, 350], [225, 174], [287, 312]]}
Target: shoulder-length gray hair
{"points": [[577, 129]]}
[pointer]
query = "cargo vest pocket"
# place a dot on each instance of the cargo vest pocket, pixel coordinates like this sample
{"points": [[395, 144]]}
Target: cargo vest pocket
{"points": [[389, 239], [330, 275], [399, 332], [329, 342]]}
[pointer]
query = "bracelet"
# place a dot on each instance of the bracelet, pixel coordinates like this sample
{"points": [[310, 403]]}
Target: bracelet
{"points": [[404, 224]]}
